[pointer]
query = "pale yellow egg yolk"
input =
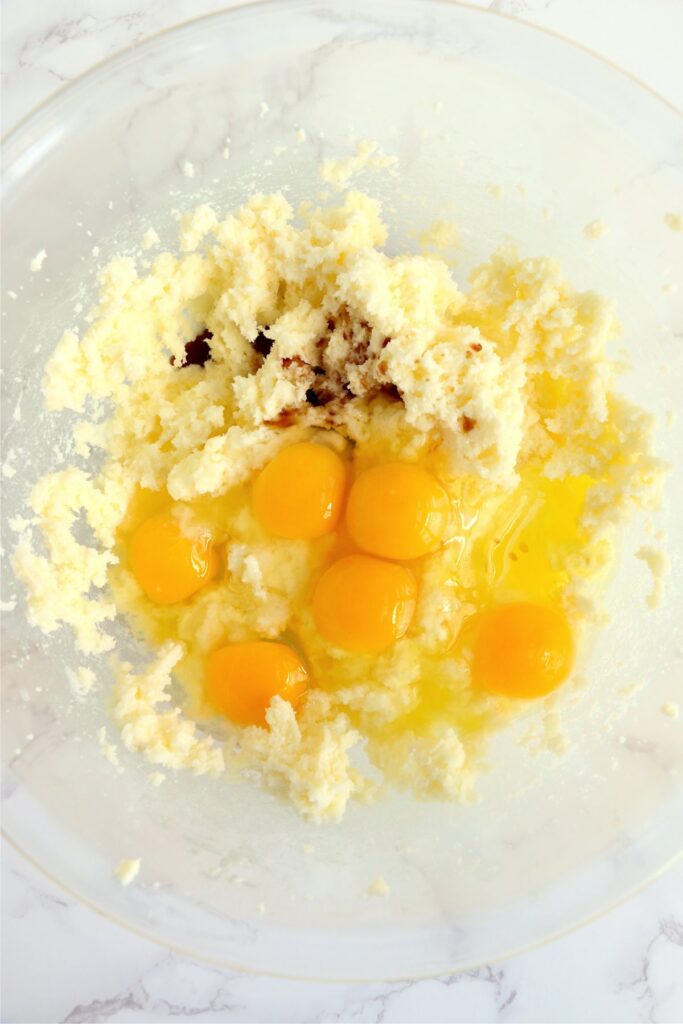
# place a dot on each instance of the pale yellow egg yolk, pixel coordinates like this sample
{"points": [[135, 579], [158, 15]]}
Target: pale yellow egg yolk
{"points": [[398, 511], [242, 679], [170, 565], [363, 604], [300, 493], [522, 650], [532, 540]]}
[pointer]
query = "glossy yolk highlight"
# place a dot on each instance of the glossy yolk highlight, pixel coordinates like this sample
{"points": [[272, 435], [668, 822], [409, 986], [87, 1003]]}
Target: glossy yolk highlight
{"points": [[300, 493], [522, 650], [170, 565], [397, 510], [242, 679], [363, 604]]}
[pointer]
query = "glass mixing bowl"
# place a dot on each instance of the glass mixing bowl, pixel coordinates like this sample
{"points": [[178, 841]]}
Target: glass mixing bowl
{"points": [[514, 133]]}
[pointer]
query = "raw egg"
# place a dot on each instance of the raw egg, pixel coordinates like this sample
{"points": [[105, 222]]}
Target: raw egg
{"points": [[522, 650], [300, 493], [363, 604], [242, 679], [397, 510], [169, 564]]}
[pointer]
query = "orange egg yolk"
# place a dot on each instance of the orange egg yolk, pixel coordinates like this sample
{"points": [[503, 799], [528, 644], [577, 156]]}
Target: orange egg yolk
{"points": [[168, 564], [397, 511], [300, 493], [522, 650], [363, 604], [242, 679]]}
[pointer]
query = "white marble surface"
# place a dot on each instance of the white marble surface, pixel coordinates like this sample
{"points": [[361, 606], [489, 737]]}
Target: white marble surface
{"points": [[61, 962]]}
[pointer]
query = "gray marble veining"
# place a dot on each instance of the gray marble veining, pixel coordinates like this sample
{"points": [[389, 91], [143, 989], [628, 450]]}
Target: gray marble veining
{"points": [[627, 966]]}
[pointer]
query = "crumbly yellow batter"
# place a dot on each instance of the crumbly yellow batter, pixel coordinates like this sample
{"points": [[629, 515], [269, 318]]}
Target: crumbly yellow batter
{"points": [[505, 392]]}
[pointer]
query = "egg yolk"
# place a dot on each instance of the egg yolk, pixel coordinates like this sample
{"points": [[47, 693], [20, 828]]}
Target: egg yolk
{"points": [[363, 604], [242, 679], [168, 564], [397, 511], [522, 650], [299, 494]]}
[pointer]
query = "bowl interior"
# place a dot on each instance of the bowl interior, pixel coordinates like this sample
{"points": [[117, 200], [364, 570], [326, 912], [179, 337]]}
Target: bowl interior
{"points": [[513, 134]]}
